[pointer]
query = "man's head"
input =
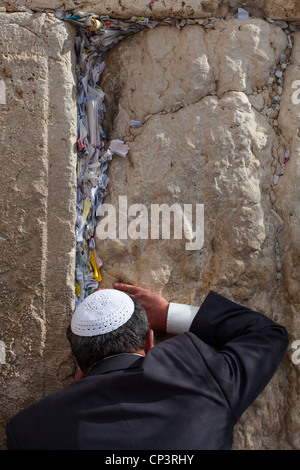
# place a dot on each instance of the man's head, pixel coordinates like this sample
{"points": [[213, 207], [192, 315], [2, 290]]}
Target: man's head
{"points": [[106, 323]]}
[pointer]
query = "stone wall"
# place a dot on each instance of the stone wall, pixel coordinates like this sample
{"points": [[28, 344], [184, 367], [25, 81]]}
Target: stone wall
{"points": [[276, 9], [219, 121], [204, 96], [38, 188]]}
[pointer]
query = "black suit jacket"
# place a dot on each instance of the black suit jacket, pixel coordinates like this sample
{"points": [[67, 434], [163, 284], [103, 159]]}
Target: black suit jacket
{"points": [[187, 393]]}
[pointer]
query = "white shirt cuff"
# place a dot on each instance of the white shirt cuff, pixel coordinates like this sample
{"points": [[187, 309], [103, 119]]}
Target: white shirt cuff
{"points": [[180, 318]]}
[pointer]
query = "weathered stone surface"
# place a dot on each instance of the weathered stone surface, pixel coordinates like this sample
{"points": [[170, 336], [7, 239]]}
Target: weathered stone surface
{"points": [[127, 8], [276, 9], [206, 139], [173, 68], [287, 203], [175, 62], [38, 187]]}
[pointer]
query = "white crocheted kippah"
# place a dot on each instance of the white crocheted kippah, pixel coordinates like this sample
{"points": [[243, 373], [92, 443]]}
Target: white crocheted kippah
{"points": [[102, 312]]}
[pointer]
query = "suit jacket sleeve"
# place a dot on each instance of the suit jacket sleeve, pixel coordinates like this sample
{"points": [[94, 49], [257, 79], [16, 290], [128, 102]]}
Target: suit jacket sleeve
{"points": [[247, 348]]}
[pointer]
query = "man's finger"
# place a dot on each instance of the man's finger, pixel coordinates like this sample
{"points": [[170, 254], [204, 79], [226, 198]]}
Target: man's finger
{"points": [[126, 287]]}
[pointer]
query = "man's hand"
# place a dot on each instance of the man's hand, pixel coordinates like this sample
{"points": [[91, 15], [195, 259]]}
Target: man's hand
{"points": [[154, 304]]}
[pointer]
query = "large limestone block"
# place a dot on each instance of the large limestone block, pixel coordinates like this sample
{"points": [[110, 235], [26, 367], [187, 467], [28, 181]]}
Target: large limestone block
{"points": [[279, 9], [287, 196], [275, 9], [173, 68], [38, 187], [181, 158], [129, 8], [207, 140], [288, 204]]}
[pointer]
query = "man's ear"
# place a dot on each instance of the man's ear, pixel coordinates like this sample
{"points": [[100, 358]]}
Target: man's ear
{"points": [[79, 374], [149, 341]]}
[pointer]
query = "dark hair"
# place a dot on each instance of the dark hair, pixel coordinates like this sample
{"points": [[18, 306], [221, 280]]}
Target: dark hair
{"points": [[129, 337]]}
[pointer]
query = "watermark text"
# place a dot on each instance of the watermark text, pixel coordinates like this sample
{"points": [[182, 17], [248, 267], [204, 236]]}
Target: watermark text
{"points": [[163, 221], [2, 353], [2, 92]]}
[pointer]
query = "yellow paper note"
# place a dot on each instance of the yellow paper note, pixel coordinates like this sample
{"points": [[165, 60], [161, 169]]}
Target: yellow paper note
{"points": [[97, 258], [78, 291], [86, 209], [97, 275]]}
